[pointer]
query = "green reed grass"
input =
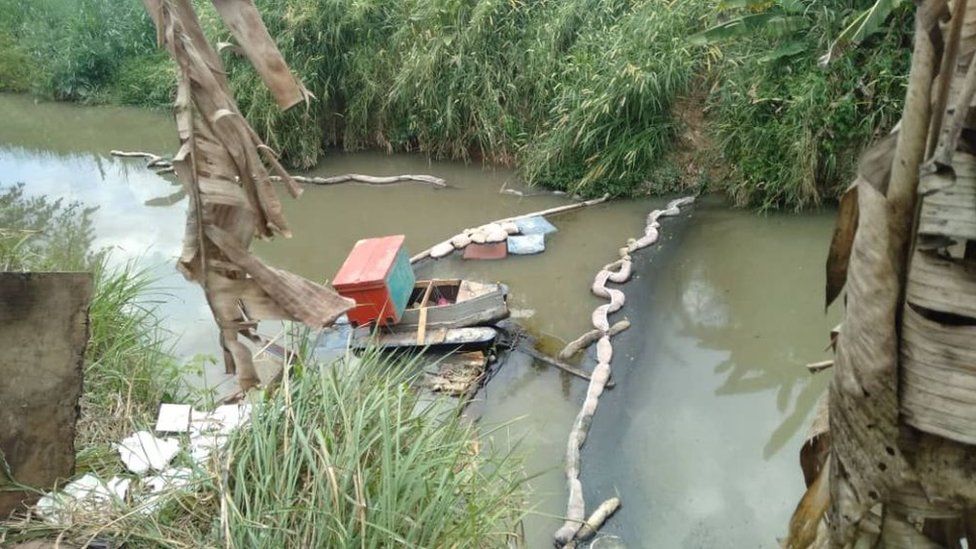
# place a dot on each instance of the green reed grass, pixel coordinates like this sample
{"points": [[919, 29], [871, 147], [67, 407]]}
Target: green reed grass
{"points": [[340, 455], [128, 369], [349, 455], [578, 95]]}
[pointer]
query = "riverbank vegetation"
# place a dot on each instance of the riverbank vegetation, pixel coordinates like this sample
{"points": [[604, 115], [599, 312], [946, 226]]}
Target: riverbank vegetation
{"points": [[339, 455], [579, 95], [128, 370]]}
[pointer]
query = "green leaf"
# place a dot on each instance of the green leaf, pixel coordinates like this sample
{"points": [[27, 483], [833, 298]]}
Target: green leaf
{"points": [[862, 26], [788, 49], [734, 28]]}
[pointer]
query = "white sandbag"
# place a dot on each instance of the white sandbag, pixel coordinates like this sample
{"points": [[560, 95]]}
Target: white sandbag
{"points": [[494, 232], [460, 241], [441, 250], [478, 236]]}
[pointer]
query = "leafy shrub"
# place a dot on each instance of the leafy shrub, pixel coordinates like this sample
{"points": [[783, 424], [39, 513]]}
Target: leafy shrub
{"points": [[792, 130]]}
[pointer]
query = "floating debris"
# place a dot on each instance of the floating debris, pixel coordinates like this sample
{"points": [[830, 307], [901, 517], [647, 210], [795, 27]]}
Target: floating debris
{"points": [[457, 375], [479, 236], [535, 225], [142, 451], [527, 244]]}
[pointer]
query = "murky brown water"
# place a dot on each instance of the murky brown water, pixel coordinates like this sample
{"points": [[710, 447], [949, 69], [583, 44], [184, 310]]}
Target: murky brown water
{"points": [[701, 433]]}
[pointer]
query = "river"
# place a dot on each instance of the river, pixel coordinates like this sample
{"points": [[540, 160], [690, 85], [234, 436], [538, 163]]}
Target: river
{"points": [[701, 433]]}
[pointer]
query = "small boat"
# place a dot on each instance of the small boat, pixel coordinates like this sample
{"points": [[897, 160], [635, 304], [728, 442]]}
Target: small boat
{"points": [[440, 313], [453, 303], [474, 337]]}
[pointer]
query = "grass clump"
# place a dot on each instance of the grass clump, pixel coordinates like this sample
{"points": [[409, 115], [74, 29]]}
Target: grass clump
{"points": [[15, 65], [80, 50], [349, 455], [576, 94], [128, 370], [610, 121], [792, 130], [340, 455]]}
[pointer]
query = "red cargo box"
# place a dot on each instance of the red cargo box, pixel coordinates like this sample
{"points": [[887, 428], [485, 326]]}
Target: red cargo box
{"points": [[377, 274]]}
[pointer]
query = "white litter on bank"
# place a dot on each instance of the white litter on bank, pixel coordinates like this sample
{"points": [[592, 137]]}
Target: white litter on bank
{"points": [[160, 486], [88, 494], [173, 418], [143, 451]]}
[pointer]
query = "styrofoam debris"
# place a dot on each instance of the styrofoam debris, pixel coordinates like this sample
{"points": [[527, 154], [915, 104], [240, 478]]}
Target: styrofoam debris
{"points": [[143, 451], [173, 418], [527, 244], [202, 445], [522, 313], [223, 420], [535, 225], [87, 493], [162, 485], [510, 227], [441, 250]]}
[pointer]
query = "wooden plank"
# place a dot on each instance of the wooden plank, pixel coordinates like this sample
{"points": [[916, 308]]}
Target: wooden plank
{"points": [[44, 322]]}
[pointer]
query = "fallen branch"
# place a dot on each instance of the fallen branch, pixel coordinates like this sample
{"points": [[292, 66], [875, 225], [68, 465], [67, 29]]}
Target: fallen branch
{"points": [[541, 213], [815, 367], [369, 179], [568, 368], [162, 164]]}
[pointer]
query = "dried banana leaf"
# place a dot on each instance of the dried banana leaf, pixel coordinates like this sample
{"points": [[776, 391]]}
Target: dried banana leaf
{"points": [[244, 22], [224, 168], [863, 393]]}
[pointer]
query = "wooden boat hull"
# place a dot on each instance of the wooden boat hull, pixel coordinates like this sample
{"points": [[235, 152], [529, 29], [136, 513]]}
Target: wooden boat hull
{"points": [[489, 306], [335, 342], [471, 337]]}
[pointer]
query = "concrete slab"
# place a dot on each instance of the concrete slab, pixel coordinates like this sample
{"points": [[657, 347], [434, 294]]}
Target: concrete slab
{"points": [[44, 327]]}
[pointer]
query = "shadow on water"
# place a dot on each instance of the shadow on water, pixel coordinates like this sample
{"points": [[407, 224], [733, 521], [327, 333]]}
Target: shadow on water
{"points": [[700, 435]]}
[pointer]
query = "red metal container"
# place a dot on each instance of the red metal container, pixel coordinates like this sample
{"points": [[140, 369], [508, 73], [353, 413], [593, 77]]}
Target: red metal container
{"points": [[377, 274]]}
